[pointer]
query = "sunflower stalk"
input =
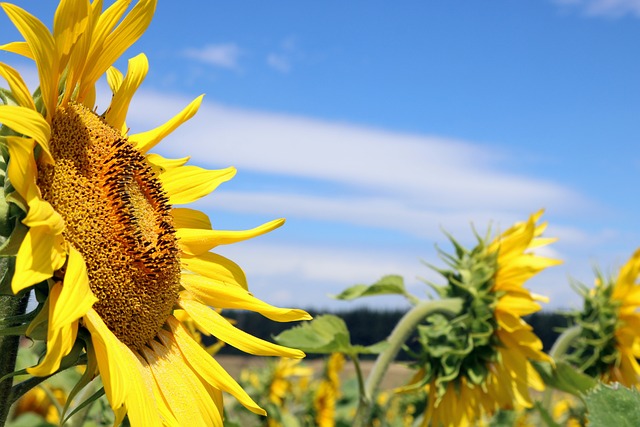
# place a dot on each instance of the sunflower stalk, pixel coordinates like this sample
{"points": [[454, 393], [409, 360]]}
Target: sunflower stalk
{"points": [[399, 335], [10, 306], [560, 347]]}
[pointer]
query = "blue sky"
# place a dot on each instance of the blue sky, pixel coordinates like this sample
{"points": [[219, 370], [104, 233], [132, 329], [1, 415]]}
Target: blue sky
{"points": [[373, 125]]}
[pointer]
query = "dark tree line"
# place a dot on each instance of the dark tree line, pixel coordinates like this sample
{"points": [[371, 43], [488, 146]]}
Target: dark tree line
{"points": [[368, 326]]}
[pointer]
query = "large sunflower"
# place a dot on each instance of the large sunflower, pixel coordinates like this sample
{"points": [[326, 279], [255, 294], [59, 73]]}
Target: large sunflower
{"points": [[104, 243], [479, 361], [608, 346]]}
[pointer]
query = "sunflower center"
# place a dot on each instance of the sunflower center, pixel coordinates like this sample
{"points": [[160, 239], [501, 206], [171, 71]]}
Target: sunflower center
{"points": [[118, 217]]}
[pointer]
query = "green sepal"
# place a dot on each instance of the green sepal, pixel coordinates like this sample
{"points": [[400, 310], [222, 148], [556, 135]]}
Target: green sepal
{"points": [[387, 285], [564, 377], [87, 376], [9, 247], [95, 396], [324, 335], [613, 406]]}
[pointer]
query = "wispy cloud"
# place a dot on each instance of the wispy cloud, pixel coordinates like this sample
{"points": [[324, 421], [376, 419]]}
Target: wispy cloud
{"points": [[380, 180], [224, 55], [609, 8], [418, 170], [281, 58], [279, 62]]}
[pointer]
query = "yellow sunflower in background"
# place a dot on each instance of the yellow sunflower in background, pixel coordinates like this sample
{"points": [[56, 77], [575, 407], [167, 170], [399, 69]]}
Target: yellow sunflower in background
{"points": [[608, 346], [479, 361], [104, 242]]}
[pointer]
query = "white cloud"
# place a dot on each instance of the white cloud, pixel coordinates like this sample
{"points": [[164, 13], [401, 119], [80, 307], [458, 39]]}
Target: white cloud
{"points": [[611, 8], [417, 169], [221, 55], [279, 62], [379, 179]]}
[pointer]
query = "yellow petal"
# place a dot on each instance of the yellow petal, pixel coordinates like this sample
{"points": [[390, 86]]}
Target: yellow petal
{"points": [[190, 218], [19, 48], [108, 45], [42, 46], [216, 267], [76, 297], [40, 254], [17, 85], [165, 412], [60, 339], [114, 79], [197, 241], [145, 141], [206, 366], [216, 325], [187, 397], [520, 305], [121, 377], [214, 294], [187, 184], [117, 112], [69, 24], [27, 122], [161, 164]]}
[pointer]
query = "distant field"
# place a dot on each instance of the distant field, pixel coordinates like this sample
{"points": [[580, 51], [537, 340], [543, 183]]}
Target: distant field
{"points": [[396, 376]]}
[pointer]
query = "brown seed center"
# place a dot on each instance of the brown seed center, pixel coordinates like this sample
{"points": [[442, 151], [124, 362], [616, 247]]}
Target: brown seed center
{"points": [[118, 217]]}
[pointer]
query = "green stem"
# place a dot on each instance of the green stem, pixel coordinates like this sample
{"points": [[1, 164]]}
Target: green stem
{"points": [[559, 349], [356, 364], [398, 337], [10, 306]]}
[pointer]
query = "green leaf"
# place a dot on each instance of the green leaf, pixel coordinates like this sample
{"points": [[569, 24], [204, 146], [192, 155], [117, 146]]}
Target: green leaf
{"points": [[388, 285], [564, 377], [613, 406], [323, 335]]}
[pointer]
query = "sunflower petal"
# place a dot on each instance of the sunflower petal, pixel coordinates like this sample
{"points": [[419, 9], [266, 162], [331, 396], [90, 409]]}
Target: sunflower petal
{"points": [[42, 45], [165, 412], [187, 397], [114, 79], [76, 297], [216, 267], [212, 293], [187, 184], [19, 48], [117, 112], [161, 164], [109, 45], [145, 141], [212, 322], [197, 241], [17, 85], [207, 367], [120, 372], [190, 218], [40, 254], [60, 339], [69, 24], [29, 123]]}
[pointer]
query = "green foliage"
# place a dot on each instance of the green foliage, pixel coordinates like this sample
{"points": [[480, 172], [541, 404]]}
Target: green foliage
{"points": [[388, 285], [564, 377], [613, 406], [325, 334]]}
